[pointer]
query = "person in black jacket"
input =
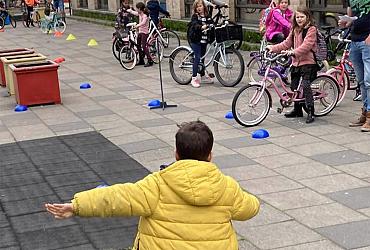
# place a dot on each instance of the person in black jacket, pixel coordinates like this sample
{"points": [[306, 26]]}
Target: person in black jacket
{"points": [[154, 9], [200, 21]]}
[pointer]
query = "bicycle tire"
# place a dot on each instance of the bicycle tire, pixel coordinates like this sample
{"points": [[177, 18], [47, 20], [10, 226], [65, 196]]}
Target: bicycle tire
{"points": [[2, 23], [153, 50], [171, 42], [221, 77], [343, 84], [127, 57], [331, 21], [60, 26], [182, 58], [328, 101], [116, 47], [24, 19], [254, 72], [13, 22], [256, 117]]}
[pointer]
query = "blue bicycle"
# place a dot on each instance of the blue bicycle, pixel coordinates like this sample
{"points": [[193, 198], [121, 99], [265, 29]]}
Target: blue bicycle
{"points": [[6, 18]]}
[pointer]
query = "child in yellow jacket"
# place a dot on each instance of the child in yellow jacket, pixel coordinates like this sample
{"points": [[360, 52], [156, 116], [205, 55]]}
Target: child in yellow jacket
{"points": [[187, 205]]}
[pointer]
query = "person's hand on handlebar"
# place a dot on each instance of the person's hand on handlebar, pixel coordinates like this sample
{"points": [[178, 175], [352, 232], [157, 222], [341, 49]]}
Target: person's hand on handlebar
{"points": [[204, 26], [288, 52], [268, 47]]}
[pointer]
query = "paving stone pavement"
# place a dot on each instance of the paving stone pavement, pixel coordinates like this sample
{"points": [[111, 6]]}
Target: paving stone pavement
{"points": [[313, 180]]}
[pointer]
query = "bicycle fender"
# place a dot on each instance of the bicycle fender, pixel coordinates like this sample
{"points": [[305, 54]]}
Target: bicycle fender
{"points": [[178, 48], [267, 91]]}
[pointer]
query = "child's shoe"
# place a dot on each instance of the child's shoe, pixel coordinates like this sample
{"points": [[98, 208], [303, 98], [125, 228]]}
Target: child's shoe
{"points": [[141, 62], [195, 82], [149, 64], [206, 79]]}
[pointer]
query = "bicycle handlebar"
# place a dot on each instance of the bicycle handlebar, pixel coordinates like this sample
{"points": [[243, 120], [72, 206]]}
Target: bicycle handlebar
{"points": [[212, 25], [221, 6], [272, 59], [343, 39]]}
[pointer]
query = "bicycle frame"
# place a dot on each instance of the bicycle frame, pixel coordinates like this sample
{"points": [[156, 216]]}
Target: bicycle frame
{"points": [[154, 32]]}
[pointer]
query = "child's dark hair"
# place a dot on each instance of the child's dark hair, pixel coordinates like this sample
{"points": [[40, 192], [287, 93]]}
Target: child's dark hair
{"points": [[194, 140], [141, 6]]}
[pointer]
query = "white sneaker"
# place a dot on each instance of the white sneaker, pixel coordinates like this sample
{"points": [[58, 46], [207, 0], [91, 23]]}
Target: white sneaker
{"points": [[195, 82], [206, 79]]}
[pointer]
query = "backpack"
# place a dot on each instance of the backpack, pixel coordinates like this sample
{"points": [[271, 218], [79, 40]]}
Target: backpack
{"points": [[322, 48], [265, 17]]}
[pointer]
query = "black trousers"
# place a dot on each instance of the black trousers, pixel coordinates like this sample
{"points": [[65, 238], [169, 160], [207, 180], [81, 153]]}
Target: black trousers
{"points": [[308, 73], [29, 10]]}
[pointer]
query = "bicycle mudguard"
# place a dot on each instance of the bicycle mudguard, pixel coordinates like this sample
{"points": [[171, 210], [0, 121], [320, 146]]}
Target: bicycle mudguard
{"points": [[178, 48]]}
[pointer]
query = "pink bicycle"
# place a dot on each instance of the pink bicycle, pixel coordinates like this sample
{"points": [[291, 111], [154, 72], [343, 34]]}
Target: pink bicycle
{"points": [[252, 103]]}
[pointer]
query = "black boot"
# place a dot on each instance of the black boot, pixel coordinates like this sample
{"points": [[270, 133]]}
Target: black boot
{"points": [[149, 63], [311, 114], [296, 112], [141, 62]]}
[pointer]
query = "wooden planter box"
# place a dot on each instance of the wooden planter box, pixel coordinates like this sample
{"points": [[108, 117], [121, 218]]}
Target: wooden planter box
{"points": [[36, 83]]}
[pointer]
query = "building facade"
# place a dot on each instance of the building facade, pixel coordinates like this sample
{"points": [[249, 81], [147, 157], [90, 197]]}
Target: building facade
{"points": [[242, 11]]}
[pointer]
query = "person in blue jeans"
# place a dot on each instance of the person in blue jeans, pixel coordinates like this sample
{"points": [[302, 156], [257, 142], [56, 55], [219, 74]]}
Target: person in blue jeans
{"points": [[198, 37], [360, 55]]}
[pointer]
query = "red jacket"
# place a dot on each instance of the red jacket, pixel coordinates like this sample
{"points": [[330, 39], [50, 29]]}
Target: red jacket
{"points": [[302, 48]]}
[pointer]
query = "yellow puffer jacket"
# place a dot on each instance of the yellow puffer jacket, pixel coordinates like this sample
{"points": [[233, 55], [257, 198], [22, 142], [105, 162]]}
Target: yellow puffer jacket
{"points": [[188, 205]]}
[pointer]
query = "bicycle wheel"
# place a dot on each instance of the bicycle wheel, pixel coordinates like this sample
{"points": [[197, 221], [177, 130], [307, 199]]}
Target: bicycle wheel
{"points": [[343, 83], [229, 69], [60, 26], [255, 70], [37, 19], [325, 92], [171, 42], [153, 50], [127, 57], [181, 65], [116, 47], [13, 22], [2, 23], [331, 20], [24, 19], [250, 105]]}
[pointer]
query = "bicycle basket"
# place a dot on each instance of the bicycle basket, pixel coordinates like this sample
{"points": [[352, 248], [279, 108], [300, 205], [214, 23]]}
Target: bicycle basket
{"points": [[230, 32]]}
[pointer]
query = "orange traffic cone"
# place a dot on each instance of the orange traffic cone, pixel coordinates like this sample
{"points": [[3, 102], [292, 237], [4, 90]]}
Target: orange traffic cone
{"points": [[58, 34]]}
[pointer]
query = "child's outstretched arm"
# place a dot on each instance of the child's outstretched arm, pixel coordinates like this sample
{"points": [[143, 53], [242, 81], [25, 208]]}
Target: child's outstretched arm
{"points": [[60, 211], [129, 199]]}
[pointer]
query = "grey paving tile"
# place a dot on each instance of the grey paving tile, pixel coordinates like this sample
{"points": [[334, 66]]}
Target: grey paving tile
{"points": [[359, 170], [93, 113], [66, 193], [94, 157], [69, 126], [13, 159], [113, 238], [333, 183], [26, 206], [53, 158], [153, 123], [25, 192], [7, 238], [53, 238], [322, 244], [350, 235], [142, 146], [295, 199], [354, 198], [282, 160], [241, 142], [269, 185], [325, 215], [248, 172], [72, 178], [93, 148], [17, 168], [20, 179], [90, 225], [3, 220], [37, 221], [265, 150], [341, 158], [306, 170], [63, 167], [293, 140], [231, 161], [281, 235], [130, 176], [108, 98]]}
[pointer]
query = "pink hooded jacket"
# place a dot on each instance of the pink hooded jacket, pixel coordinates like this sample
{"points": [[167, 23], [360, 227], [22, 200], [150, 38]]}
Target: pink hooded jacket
{"points": [[303, 54], [278, 23]]}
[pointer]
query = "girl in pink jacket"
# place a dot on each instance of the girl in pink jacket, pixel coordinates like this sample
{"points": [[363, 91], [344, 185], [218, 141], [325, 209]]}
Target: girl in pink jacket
{"points": [[301, 44], [279, 22]]}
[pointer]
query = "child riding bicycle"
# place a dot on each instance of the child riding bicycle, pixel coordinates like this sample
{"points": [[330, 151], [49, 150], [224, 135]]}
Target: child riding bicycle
{"points": [[303, 63]]}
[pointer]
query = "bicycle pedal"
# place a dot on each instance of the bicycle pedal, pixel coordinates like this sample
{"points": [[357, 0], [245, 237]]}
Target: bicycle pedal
{"points": [[211, 75], [279, 110]]}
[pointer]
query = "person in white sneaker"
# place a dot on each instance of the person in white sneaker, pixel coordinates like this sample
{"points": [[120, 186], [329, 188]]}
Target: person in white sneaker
{"points": [[199, 22]]}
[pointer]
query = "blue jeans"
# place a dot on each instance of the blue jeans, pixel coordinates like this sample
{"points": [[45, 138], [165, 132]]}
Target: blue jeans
{"points": [[360, 57], [199, 51]]}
